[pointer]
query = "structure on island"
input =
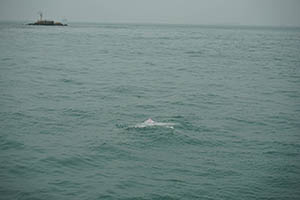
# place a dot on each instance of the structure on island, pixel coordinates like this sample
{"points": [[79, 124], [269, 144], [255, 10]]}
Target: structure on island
{"points": [[46, 22]]}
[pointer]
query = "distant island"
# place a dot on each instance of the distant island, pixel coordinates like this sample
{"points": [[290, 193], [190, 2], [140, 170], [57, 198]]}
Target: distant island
{"points": [[47, 22]]}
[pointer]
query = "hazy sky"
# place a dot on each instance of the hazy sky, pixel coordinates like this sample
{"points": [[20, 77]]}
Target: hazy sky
{"points": [[245, 12]]}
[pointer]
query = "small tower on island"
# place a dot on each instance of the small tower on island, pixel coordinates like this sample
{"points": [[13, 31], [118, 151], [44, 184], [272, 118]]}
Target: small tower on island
{"points": [[41, 15]]}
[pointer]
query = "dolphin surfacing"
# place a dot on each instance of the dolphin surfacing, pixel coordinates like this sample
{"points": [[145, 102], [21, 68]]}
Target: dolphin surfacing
{"points": [[150, 123]]}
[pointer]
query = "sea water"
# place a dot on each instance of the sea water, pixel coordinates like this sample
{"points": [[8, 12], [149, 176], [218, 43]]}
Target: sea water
{"points": [[70, 98]]}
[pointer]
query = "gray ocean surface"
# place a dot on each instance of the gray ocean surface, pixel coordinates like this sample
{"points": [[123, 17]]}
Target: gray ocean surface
{"points": [[70, 98]]}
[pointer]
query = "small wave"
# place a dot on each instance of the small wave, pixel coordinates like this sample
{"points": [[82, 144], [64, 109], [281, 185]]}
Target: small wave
{"points": [[247, 121], [71, 161], [160, 136], [78, 113], [71, 81], [150, 63], [6, 59], [194, 53], [11, 144]]}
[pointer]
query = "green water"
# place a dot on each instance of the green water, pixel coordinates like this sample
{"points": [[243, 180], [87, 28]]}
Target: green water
{"points": [[70, 98]]}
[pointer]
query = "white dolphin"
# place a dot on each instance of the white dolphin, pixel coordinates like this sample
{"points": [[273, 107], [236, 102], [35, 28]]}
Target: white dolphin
{"points": [[150, 123]]}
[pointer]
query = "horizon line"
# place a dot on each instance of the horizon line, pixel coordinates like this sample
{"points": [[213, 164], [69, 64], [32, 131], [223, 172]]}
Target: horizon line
{"points": [[168, 23]]}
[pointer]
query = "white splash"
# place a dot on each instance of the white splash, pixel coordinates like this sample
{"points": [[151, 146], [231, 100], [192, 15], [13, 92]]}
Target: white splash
{"points": [[150, 123]]}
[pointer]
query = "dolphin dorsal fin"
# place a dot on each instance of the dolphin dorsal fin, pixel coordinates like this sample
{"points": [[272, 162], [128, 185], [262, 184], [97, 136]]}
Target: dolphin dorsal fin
{"points": [[149, 121]]}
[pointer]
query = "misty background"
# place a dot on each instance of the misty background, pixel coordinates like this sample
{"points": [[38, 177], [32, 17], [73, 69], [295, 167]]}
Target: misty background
{"points": [[224, 12]]}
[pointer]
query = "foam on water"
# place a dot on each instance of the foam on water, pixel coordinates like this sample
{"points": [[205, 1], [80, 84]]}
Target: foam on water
{"points": [[150, 123]]}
